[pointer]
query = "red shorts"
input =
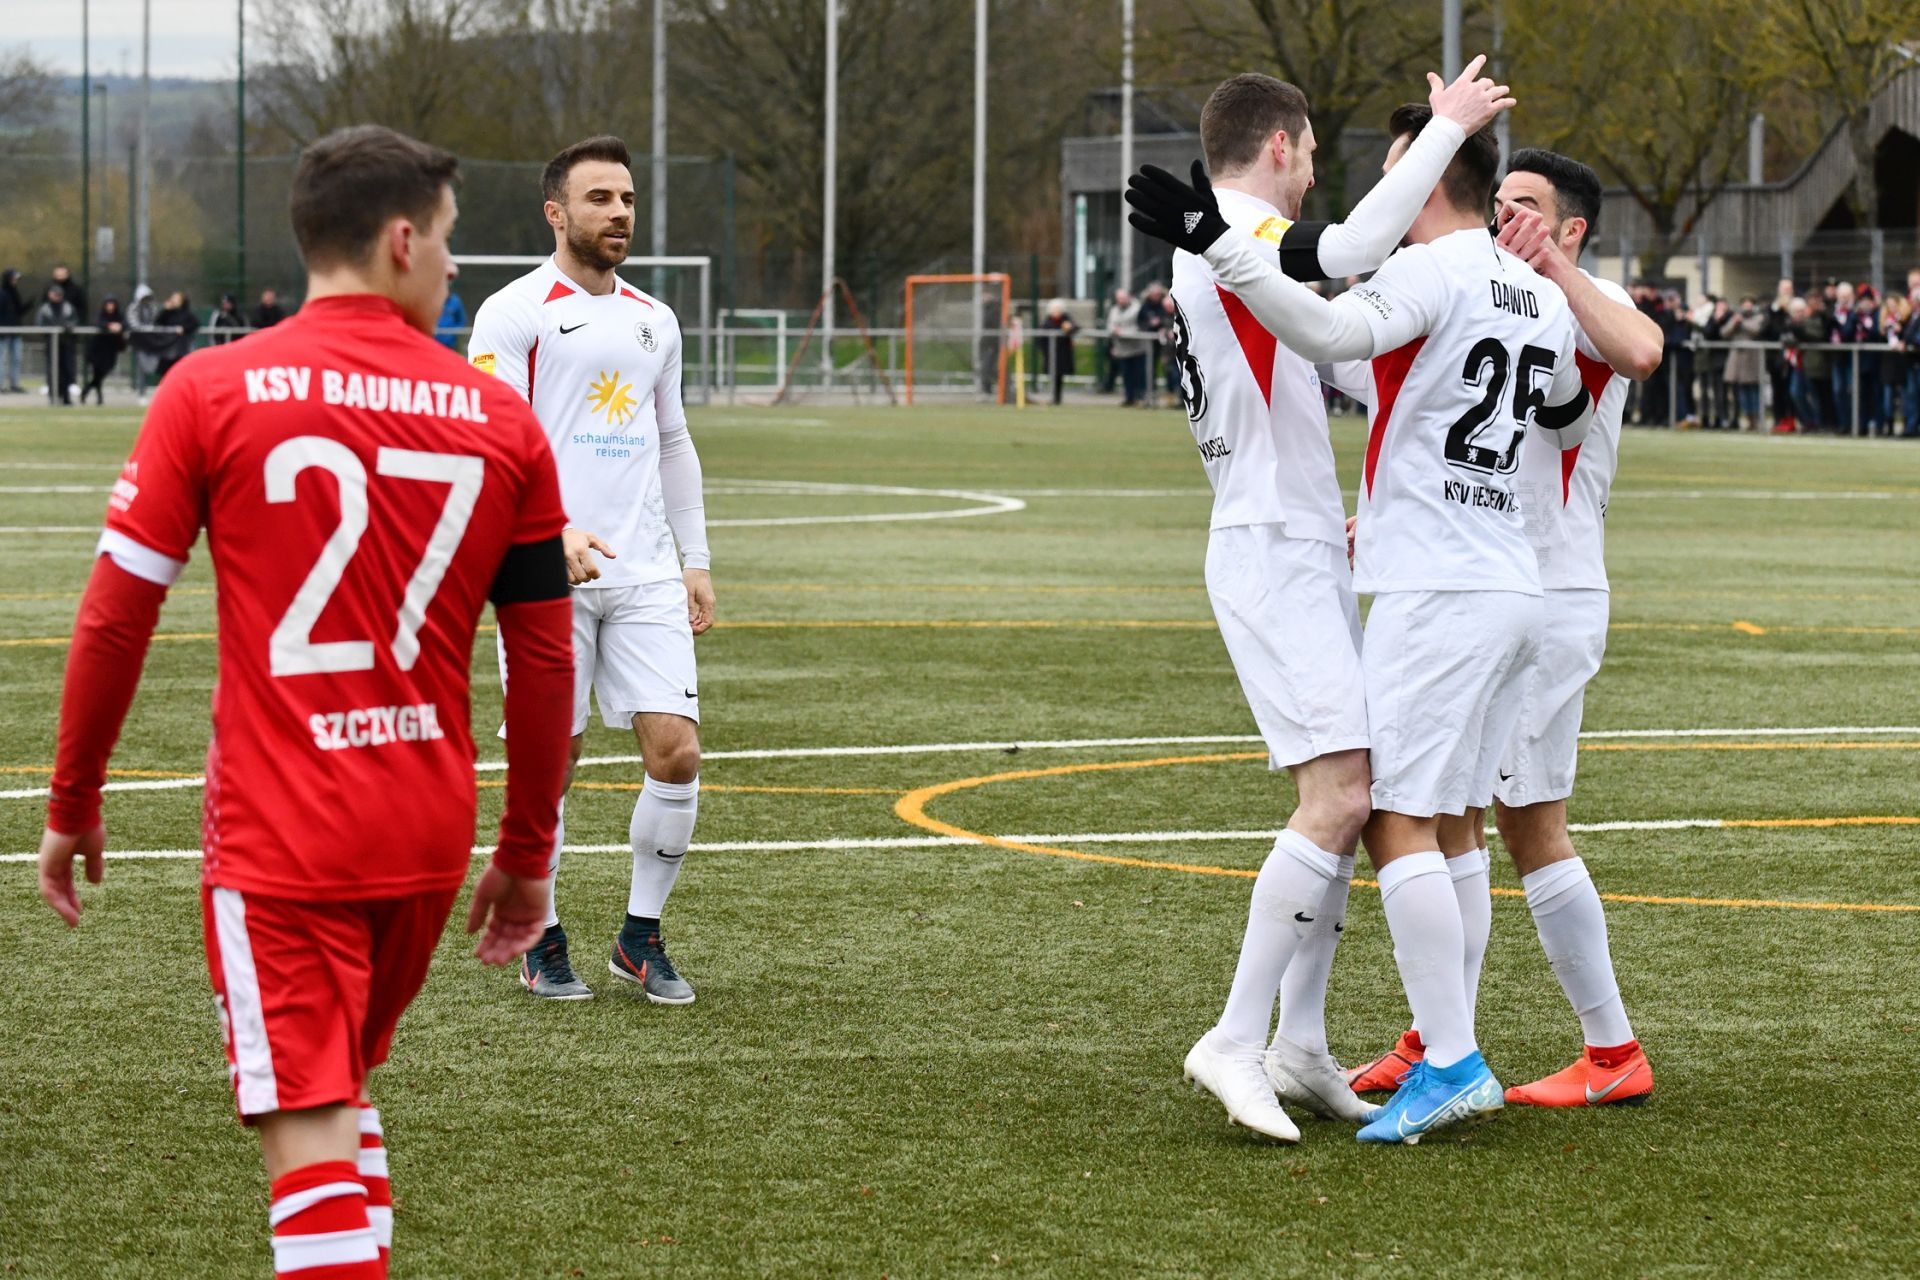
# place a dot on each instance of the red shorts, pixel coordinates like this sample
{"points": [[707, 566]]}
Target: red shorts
{"points": [[309, 992]]}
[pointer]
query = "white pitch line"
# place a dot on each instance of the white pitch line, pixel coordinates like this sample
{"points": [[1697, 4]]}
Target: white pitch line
{"points": [[56, 488], [1055, 744], [50, 528], [833, 843]]}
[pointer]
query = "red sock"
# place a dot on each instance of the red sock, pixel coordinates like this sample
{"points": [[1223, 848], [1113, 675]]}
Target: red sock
{"points": [[373, 1176], [1616, 1055], [320, 1227]]}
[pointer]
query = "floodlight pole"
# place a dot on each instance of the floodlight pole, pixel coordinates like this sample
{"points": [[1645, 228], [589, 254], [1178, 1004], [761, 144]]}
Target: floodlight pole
{"points": [[659, 143], [240, 149], [827, 194], [1126, 138], [143, 223], [86, 146], [979, 166], [1450, 59]]}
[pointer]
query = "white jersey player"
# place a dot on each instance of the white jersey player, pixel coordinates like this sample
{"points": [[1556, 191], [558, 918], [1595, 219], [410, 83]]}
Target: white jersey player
{"points": [[1276, 565], [1469, 348], [600, 362]]}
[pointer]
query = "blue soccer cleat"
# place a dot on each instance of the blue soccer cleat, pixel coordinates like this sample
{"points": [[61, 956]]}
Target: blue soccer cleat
{"points": [[1432, 1098]]}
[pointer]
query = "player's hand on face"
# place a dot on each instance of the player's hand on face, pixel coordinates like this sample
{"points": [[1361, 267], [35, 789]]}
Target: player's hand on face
{"points": [[580, 546], [1470, 101], [513, 909], [699, 599], [57, 853], [1524, 234]]}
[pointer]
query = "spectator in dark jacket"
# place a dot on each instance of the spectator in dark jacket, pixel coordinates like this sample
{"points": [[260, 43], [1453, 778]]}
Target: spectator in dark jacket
{"points": [[178, 317], [13, 314], [1817, 362], [1778, 371], [268, 313], [72, 289], [1909, 338], [225, 318], [1717, 411], [57, 313], [1844, 327], [1055, 342], [104, 348]]}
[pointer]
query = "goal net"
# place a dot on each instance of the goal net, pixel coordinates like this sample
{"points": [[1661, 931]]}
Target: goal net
{"points": [[685, 284], [956, 329]]}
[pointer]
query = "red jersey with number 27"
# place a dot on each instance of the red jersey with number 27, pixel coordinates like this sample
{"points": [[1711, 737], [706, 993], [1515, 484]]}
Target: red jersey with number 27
{"points": [[360, 485]]}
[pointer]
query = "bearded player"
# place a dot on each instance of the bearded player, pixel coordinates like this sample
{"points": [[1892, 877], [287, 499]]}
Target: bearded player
{"points": [[1549, 206], [600, 363], [365, 494], [1277, 574], [1468, 351]]}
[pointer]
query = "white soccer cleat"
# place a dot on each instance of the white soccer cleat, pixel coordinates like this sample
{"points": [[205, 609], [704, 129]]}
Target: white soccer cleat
{"points": [[1237, 1080], [1314, 1081]]}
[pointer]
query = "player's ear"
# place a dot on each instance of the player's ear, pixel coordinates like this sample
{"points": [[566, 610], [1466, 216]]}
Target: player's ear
{"points": [[1573, 231], [399, 243]]}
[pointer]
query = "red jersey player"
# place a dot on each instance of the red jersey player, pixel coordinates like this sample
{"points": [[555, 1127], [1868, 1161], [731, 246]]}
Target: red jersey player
{"points": [[364, 493]]}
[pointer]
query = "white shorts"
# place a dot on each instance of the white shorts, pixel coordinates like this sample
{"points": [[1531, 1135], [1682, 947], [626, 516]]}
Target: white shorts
{"points": [[1540, 759], [1445, 679], [633, 651], [1287, 611]]}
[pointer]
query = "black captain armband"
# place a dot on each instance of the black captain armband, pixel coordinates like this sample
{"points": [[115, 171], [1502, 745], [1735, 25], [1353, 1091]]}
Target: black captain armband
{"points": [[1558, 417], [531, 571], [1300, 252]]}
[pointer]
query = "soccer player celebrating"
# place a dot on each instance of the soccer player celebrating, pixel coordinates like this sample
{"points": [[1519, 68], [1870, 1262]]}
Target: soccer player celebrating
{"points": [[365, 494], [1549, 205], [1468, 348], [600, 363], [1277, 573]]}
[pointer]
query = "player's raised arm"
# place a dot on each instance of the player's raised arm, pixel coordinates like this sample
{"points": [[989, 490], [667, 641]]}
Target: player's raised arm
{"points": [[683, 489], [1628, 340], [153, 517], [1377, 225]]}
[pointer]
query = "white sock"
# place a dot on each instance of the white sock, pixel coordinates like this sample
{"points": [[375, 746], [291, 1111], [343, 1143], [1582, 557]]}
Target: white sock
{"points": [[1303, 988], [661, 829], [1573, 929], [1286, 902], [1473, 890], [1424, 918], [553, 866]]}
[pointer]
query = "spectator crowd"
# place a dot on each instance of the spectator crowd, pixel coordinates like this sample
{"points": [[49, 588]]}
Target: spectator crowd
{"points": [[157, 333]]}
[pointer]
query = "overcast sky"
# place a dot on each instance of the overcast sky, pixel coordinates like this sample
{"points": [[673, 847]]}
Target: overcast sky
{"points": [[190, 37]]}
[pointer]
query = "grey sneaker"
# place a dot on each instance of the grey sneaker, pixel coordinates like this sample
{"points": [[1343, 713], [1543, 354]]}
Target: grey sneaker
{"points": [[546, 972], [639, 958], [1314, 1081]]}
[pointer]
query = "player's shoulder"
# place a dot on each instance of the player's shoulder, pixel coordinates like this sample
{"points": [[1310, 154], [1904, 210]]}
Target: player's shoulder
{"points": [[648, 305], [1611, 290]]}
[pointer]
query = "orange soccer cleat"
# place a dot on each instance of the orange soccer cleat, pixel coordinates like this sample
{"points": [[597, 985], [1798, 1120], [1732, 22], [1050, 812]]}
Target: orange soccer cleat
{"points": [[1601, 1077], [1382, 1075]]}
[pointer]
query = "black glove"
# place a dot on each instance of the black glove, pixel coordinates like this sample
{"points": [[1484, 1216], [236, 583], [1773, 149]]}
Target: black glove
{"points": [[1186, 217]]}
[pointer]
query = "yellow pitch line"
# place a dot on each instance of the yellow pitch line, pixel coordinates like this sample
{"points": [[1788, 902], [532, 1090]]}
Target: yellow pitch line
{"points": [[492, 785], [111, 773], [911, 808]]}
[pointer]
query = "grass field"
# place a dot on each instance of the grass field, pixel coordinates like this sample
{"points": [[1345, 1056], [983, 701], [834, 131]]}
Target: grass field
{"points": [[920, 1058]]}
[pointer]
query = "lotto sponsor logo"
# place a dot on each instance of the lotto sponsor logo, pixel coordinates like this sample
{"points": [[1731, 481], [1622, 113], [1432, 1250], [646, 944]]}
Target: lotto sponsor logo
{"points": [[375, 392], [484, 361], [375, 726], [1274, 229]]}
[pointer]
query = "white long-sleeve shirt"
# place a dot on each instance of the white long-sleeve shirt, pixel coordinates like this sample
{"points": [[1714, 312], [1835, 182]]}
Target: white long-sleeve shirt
{"points": [[602, 373]]}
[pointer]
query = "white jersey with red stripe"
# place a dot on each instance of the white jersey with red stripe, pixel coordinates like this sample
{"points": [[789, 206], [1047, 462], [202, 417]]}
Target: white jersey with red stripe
{"points": [[1471, 347], [602, 373], [1255, 407], [1569, 538]]}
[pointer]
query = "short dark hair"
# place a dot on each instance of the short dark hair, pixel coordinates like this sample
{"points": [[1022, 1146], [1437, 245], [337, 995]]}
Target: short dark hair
{"points": [[351, 183], [1576, 188], [1469, 179], [1241, 114], [553, 180]]}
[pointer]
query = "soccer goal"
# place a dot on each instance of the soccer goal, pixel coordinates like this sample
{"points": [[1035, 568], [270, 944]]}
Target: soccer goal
{"points": [[956, 327], [683, 283]]}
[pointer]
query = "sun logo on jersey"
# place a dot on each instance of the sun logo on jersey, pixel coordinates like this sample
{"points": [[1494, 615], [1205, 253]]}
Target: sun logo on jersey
{"points": [[612, 397]]}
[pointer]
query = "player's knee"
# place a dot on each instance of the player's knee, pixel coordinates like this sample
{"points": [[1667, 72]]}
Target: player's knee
{"points": [[677, 760], [1335, 815]]}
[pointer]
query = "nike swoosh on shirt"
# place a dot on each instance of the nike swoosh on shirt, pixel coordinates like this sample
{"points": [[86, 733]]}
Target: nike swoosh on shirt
{"points": [[1600, 1095], [1303, 917], [583, 324]]}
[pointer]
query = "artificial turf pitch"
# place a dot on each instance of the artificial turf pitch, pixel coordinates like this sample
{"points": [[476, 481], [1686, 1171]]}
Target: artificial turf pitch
{"points": [[964, 1058]]}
